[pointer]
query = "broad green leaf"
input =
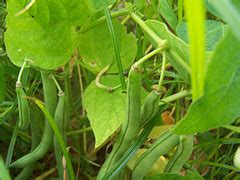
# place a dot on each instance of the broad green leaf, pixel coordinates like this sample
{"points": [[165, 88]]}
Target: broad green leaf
{"points": [[170, 176], [4, 175], [220, 103], [168, 13], [211, 8], [178, 52], [99, 4], [43, 34], [78, 11], [96, 47], [140, 4], [105, 110], [213, 32], [230, 12]]}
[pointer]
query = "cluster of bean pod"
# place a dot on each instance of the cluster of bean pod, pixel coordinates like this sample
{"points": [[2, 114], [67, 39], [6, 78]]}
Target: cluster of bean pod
{"points": [[136, 118], [30, 116]]}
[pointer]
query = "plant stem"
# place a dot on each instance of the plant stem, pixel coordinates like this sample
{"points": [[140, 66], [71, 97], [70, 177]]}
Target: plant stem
{"points": [[160, 82], [98, 79], [146, 57], [21, 72], [57, 85], [78, 131], [174, 97], [84, 138], [149, 31]]}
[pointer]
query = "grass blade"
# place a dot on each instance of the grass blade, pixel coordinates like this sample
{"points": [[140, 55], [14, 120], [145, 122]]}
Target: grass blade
{"points": [[115, 45], [196, 17]]}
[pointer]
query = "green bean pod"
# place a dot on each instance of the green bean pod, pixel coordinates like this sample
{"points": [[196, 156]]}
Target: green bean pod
{"points": [[131, 125], [59, 117], [162, 146], [50, 97], [181, 155], [150, 106], [23, 108], [36, 137]]}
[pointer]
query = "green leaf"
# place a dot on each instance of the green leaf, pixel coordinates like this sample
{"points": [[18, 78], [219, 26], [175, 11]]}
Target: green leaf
{"points": [[99, 4], [220, 103], [230, 12], [170, 176], [168, 13], [140, 4], [178, 53], [78, 12], [96, 47], [106, 111], [211, 8], [43, 34], [213, 32], [4, 175]]}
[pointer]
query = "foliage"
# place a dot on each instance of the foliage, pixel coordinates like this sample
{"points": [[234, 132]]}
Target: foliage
{"points": [[179, 59]]}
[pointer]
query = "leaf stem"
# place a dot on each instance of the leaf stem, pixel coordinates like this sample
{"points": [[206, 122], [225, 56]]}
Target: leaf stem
{"points": [[60, 91], [160, 82], [26, 61], [98, 78], [161, 43], [20, 74], [25, 9], [146, 57], [174, 97]]}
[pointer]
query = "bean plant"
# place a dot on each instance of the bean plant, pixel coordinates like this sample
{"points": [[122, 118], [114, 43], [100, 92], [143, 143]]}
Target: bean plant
{"points": [[119, 89]]}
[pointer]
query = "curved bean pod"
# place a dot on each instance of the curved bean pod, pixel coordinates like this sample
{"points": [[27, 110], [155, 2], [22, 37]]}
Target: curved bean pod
{"points": [[162, 146], [23, 108], [150, 106], [59, 117], [50, 97], [131, 126], [36, 137], [181, 155]]}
